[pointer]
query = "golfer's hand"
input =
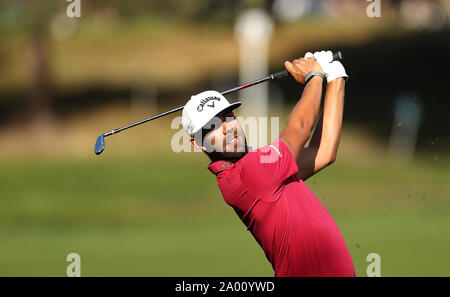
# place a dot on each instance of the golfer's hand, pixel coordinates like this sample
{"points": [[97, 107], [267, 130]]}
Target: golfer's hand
{"points": [[333, 70], [299, 68]]}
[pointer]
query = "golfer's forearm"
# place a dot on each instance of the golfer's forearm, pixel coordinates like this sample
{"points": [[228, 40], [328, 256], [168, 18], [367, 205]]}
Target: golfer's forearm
{"points": [[303, 116], [331, 125], [317, 135], [306, 110]]}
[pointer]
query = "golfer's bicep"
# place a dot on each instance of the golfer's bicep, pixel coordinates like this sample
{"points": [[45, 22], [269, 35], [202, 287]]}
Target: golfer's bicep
{"points": [[295, 139], [311, 161], [306, 163]]}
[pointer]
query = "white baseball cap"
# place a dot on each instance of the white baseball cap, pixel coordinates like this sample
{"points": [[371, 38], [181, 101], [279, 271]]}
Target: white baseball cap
{"points": [[201, 108]]}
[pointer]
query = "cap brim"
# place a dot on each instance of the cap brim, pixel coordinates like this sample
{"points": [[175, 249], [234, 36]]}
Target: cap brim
{"points": [[231, 107]]}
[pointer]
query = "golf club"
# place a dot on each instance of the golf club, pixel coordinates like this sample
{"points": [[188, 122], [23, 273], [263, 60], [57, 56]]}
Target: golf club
{"points": [[100, 143]]}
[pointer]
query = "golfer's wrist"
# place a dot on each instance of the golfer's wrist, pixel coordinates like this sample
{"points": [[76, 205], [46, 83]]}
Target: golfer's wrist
{"points": [[314, 75]]}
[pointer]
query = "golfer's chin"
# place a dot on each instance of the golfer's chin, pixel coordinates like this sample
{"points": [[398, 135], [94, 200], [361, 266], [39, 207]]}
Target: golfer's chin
{"points": [[232, 155]]}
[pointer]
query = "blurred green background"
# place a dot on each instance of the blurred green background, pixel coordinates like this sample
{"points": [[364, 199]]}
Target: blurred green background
{"points": [[141, 209]]}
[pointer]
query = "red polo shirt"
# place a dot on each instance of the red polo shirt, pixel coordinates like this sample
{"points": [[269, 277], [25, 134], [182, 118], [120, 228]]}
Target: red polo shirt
{"points": [[298, 235]]}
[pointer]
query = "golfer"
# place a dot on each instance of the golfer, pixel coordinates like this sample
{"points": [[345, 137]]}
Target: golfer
{"points": [[266, 187]]}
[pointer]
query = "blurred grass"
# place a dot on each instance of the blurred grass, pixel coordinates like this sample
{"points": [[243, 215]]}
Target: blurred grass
{"points": [[163, 215], [141, 209]]}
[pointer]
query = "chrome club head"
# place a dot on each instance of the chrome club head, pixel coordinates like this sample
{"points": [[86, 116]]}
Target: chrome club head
{"points": [[100, 144]]}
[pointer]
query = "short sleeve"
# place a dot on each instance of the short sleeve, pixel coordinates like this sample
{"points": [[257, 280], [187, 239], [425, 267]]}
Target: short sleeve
{"points": [[265, 170]]}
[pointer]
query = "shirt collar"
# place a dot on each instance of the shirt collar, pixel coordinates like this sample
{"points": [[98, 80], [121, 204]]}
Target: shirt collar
{"points": [[219, 166]]}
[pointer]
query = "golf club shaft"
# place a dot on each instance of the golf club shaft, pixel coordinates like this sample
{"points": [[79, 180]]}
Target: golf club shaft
{"points": [[246, 85], [337, 56], [143, 121]]}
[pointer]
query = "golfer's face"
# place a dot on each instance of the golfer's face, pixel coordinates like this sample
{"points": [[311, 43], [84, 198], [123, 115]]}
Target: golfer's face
{"points": [[225, 135]]}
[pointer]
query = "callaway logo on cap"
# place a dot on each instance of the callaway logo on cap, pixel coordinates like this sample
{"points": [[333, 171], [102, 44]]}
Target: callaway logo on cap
{"points": [[201, 108], [206, 100]]}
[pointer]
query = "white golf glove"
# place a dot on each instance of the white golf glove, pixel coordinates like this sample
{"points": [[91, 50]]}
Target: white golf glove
{"points": [[309, 55], [332, 69]]}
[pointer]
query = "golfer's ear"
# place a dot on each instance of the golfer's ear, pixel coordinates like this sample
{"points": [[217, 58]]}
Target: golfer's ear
{"points": [[195, 145]]}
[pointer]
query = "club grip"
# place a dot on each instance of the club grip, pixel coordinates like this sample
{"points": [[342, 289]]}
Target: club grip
{"points": [[337, 56], [280, 74]]}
